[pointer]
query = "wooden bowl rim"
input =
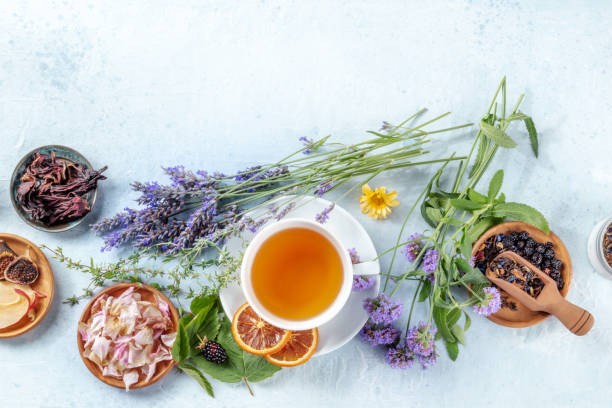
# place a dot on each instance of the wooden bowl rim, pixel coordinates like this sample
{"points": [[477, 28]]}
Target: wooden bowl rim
{"points": [[564, 256], [93, 194], [43, 311], [115, 382]]}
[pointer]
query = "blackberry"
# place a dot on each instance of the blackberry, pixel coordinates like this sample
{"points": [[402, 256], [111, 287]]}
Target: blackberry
{"points": [[536, 259], [528, 251], [520, 244], [560, 283], [557, 264], [514, 235], [549, 254], [549, 245], [546, 263], [508, 242], [523, 235], [212, 351], [540, 248], [530, 243], [555, 275]]}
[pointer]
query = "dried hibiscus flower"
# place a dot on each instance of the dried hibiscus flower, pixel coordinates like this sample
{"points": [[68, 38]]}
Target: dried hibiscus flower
{"points": [[52, 190]]}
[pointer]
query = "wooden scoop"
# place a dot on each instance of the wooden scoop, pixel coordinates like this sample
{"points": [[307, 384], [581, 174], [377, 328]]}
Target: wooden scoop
{"points": [[575, 318]]}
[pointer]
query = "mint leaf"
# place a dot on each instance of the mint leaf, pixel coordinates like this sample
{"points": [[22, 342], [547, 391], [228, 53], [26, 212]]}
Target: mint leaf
{"points": [[425, 290], [479, 228], [468, 322], [453, 317], [521, 212], [181, 349], [452, 348], [497, 135], [475, 277], [439, 315], [198, 376], [466, 205], [533, 135], [477, 197], [458, 333], [495, 184]]}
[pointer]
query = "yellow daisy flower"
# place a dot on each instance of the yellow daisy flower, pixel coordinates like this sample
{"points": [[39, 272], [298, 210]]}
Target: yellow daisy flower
{"points": [[377, 203]]}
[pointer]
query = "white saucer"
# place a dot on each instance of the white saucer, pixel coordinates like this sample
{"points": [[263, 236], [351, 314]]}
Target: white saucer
{"points": [[352, 317]]}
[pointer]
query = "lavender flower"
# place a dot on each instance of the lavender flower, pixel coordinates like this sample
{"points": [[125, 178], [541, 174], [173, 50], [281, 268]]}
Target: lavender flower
{"points": [[420, 339], [430, 263], [375, 337], [383, 309], [362, 282], [308, 143], [324, 187], [412, 249], [428, 360], [400, 356], [491, 303], [323, 216], [354, 256]]}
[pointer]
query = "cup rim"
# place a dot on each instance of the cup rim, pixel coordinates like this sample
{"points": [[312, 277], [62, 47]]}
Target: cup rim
{"points": [[326, 315], [599, 244]]}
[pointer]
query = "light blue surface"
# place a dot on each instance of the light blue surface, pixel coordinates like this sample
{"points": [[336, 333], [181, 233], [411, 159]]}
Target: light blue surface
{"points": [[222, 85]]}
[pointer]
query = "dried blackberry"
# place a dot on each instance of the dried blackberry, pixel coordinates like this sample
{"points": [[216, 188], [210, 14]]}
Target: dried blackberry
{"points": [[520, 244], [530, 243], [549, 245], [528, 251], [536, 259], [557, 264], [508, 242], [212, 351], [549, 254], [540, 248], [523, 235], [546, 263], [514, 235]]}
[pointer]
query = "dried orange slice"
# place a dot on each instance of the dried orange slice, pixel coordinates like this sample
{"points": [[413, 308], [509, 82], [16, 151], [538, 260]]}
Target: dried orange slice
{"points": [[256, 336], [300, 347]]}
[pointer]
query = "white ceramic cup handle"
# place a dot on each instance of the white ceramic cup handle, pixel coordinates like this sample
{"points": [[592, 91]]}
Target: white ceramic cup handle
{"points": [[366, 268]]}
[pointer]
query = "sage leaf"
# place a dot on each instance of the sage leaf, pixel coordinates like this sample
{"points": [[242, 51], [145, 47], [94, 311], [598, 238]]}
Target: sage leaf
{"points": [[439, 315], [533, 135], [521, 212], [477, 197], [497, 135], [181, 349], [452, 348], [425, 290], [495, 184], [453, 317], [466, 205], [468, 322], [198, 376], [458, 333]]}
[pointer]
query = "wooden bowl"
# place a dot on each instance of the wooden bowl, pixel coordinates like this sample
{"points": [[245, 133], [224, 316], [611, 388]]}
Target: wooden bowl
{"points": [[523, 317], [44, 284], [147, 293], [67, 155]]}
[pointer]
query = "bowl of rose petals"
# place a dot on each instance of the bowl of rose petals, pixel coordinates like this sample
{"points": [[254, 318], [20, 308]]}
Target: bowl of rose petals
{"points": [[54, 187]]}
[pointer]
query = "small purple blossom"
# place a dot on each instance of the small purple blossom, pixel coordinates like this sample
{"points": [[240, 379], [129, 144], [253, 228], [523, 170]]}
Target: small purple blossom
{"points": [[400, 356], [324, 186], [412, 249], [428, 360], [375, 337], [354, 256], [491, 303], [382, 309], [430, 263], [323, 216], [308, 143], [420, 339], [362, 282]]}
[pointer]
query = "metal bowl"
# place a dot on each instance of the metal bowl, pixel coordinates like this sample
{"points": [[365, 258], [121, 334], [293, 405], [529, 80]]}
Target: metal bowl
{"points": [[61, 152]]}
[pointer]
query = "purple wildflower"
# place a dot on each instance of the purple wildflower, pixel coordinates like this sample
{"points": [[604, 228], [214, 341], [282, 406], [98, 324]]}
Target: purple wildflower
{"points": [[430, 263], [324, 187], [383, 309], [400, 356], [420, 339], [491, 302], [308, 143], [428, 360], [361, 283], [354, 256], [375, 337], [323, 216], [412, 249]]}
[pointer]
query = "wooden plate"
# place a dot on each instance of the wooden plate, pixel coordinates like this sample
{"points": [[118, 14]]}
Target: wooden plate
{"points": [[523, 317], [147, 293], [44, 284]]}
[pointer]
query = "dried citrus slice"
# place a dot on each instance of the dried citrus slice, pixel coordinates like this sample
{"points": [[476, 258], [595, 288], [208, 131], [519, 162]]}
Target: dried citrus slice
{"points": [[300, 347], [256, 336]]}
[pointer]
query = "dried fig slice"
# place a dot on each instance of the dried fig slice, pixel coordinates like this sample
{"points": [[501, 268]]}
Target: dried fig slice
{"points": [[5, 248], [5, 260], [22, 271]]}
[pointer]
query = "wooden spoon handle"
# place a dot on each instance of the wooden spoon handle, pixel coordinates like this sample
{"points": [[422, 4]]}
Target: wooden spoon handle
{"points": [[575, 318]]}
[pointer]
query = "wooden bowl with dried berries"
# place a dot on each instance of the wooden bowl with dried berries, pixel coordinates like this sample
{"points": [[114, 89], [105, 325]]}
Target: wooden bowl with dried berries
{"points": [[545, 251], [54, 187]]}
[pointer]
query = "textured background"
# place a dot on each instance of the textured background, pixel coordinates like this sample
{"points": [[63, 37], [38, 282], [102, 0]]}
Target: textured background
{"points": [[221, 85]]}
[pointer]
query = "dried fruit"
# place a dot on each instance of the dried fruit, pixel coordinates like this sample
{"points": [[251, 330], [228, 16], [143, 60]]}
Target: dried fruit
{"points": [[519, 275], [5, 260], [22, 271], [52, 190], [5, 248]]}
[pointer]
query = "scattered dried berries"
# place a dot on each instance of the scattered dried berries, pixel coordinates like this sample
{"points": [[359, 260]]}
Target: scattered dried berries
{"points": [[541, 255], [607, 245], [22, 271], [52, 190], [519, 275]]}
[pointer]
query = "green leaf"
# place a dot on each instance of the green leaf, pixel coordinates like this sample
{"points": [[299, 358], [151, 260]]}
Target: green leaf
{"points": [[465, 246], [467, 205], [468, 322], [425, 290], [439, 315], [495, 184], [475, 277], [533, 135], [198, 376], [453, 317], [181, 349], [458, 333], [521, 212], [434, 214], [452, 348], [480, 228], [497, 135], [476, 197], [201, 302]]}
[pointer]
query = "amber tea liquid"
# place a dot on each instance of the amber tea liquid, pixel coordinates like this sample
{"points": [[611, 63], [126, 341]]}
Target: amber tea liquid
{"points": [[296, 274]]}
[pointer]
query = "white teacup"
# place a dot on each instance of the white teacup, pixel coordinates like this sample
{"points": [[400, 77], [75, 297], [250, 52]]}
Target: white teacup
{"points": [[348, 270]]}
